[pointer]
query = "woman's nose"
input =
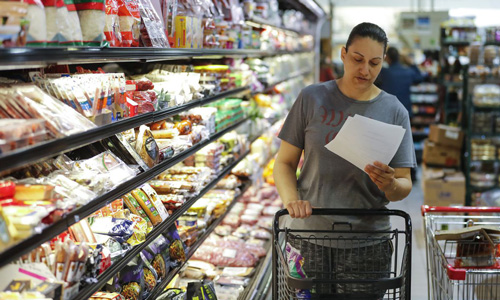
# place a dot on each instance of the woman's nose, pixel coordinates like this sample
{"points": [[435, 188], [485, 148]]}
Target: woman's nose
{"points": [[364, 69]]}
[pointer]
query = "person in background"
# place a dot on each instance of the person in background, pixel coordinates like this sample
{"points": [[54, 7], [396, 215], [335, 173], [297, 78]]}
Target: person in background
{"points": [[326, 72], [397, 80], [328, 181]]}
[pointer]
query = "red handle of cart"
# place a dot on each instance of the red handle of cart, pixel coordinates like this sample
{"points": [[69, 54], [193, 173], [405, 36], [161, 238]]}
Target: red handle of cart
{"points": [[459, 209]]}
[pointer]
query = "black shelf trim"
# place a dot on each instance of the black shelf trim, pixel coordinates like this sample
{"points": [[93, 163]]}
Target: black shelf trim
{"points": [[484, 135], [116, 267], [486, 108], [424, 93], [75, 216], [424, 103], [259, 22], [492, 43], [23, 57], [48, 149], [161, 286], [455, 43], [425, 114]]}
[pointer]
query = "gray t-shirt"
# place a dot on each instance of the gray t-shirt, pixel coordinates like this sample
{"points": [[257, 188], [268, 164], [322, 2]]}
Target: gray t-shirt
{"points": [[326, 179]]}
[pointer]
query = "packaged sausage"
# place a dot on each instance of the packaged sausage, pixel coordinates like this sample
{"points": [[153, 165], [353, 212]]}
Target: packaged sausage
{"points": [[148, 206], [136, 208], [165, 133], [151, 193], [146, 146]]}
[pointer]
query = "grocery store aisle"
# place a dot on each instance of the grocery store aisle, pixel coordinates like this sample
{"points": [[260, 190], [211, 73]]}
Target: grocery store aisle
{"points": [[411, 205]]}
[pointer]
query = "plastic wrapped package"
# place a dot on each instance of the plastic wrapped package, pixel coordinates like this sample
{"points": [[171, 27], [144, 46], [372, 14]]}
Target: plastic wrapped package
{"points": [[61, 119], [150, 276], [261, 234], [232, 220], [37, 32], [120, 229], [152, 29], [130, 20], [249, 219], [146, 146], [92, 20], [52, 28], [73, 31], [18, 133], [131, 280], [225, 256], [112, 24], [231, 291], [71, 190], [158, 255]]}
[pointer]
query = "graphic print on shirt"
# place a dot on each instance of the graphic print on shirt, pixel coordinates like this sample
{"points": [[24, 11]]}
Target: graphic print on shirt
{"points": [[334, 119]]}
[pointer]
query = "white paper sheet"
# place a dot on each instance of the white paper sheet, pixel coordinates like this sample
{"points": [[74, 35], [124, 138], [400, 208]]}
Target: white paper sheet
{"points": [[362, 141]]}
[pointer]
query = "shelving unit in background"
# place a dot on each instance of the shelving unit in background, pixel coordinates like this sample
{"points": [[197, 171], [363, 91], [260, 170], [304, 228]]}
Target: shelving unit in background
{"points": [[425, 100]]}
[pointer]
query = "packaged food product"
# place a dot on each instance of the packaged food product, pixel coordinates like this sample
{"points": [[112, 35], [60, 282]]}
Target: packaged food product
{"points": [[152, 29], [73, 31], [119, 229], [176, 247], [37, 32], [157, 253], [92, 20], [107, 296], [165, 133], [112, 24], [150, 276], [130, 20], [140, 230], [136, 208], [146, 146], [151, 193], [132, 280], [148, 206], [33, 192]]}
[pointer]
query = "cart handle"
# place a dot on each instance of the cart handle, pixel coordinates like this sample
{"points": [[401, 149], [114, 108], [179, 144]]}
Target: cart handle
{"points": [[459, 209]]}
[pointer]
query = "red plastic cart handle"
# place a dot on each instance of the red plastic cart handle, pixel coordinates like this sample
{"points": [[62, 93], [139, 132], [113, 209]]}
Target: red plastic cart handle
{"points": [[455, 274], [459, 209]]}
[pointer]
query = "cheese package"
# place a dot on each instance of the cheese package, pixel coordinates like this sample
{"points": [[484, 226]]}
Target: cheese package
{"points": [[151, 193], [148, 206], [136, 208]]}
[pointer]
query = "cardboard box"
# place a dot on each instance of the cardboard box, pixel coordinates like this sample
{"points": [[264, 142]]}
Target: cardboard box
{"points": [[443, 187], [438, 155], [446, 136]]}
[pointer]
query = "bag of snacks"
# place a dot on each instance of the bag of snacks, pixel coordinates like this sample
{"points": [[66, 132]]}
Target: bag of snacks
{"points": [[132, 280], [150, 276]]}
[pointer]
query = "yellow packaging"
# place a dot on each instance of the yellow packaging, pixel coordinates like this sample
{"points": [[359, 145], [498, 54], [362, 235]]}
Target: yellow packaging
{"points": [[7, 231], [182, 33], [140, 230]]}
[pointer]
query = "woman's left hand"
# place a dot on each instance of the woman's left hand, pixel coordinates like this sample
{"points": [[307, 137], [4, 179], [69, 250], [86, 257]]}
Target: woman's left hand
{"points": [[382, 175]]}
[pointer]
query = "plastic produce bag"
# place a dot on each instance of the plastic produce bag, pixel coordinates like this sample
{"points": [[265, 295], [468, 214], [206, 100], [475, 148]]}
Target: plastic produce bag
{"points": [[112, 26], [37, 32], [92, 20]]}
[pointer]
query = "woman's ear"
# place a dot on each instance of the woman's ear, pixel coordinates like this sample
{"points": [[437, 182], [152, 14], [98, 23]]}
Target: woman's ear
{"points": [[343, 52]]}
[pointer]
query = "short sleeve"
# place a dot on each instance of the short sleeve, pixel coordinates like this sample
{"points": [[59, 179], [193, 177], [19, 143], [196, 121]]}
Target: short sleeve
{"points": [[293, 130], [405, 156]]}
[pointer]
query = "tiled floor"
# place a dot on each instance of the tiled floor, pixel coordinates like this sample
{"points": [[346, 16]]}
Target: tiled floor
{"points": [[411, 205]]}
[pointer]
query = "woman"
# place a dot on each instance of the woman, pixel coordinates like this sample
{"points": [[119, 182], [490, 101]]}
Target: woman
{"points": [[327, 180]]}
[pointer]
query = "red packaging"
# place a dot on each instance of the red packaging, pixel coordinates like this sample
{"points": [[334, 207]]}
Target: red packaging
{"points": [[7, 189], [130, 20], [112, 27]]}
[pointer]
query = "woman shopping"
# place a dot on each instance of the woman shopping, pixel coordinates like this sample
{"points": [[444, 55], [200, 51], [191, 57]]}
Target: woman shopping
{"points": [[327, 180]]}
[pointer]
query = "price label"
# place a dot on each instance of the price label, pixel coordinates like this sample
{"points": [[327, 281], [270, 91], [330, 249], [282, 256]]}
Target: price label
{"points": [[451, 134]]}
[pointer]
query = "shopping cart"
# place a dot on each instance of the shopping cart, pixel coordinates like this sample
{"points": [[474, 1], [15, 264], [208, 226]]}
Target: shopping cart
{"points": [[465, 268], [342, 263]]}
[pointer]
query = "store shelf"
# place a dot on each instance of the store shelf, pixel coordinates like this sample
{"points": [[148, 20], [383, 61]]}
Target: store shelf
{"points": [[52, 148], [458, 84], [455, 43], [160, 287], [425, 114], [75, 216], [15, 58], [492, 43], [484, 135], [88, 291], [259, 22], [424, 103], [484, 160], [269, 88], [424, 93], [486, 108]]}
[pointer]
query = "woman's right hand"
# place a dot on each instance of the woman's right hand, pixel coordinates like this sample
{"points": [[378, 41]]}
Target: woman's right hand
{"points": [[299, 209]]}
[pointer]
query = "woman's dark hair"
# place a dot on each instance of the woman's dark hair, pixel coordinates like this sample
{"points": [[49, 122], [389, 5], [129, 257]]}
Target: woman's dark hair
{"points": [[367, 30]]}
